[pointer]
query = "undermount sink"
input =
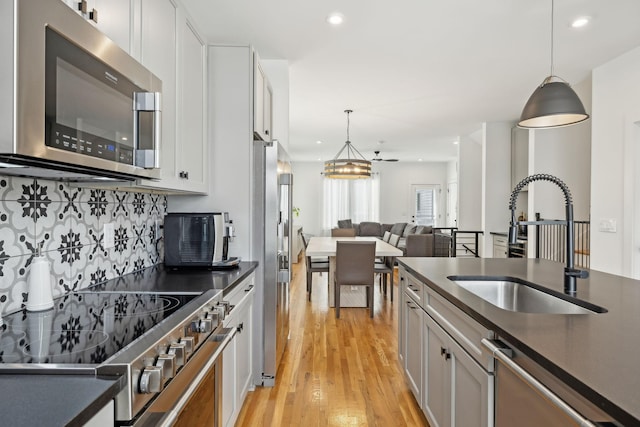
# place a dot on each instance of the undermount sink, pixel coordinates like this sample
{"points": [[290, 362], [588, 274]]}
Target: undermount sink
{"points": [[520, 296]]}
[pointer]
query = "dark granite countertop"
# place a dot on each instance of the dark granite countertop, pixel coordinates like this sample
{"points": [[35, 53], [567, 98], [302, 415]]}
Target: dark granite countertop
{"points": [[54, 400], [184, 281], [595, 354]]}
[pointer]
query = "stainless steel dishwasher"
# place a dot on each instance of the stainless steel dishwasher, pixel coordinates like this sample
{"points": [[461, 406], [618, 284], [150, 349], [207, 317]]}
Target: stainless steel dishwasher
{"points": [[526, 395]]}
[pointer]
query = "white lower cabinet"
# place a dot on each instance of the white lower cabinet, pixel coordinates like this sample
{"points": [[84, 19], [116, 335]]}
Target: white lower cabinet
{"points": [[104, 417], [457, 389], [452, 387], [237, 358], [413, 335]]}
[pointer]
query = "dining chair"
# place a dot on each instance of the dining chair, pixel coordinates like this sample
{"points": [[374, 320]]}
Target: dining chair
{"points": [[343, 232], [354, 267], [384, 268], [394, 239], [386, 236], [314, 265]]}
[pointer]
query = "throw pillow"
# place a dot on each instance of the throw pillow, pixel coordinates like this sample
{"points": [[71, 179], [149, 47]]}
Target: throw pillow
{"points": [[398, 228], [345, 223], [408, 229]]}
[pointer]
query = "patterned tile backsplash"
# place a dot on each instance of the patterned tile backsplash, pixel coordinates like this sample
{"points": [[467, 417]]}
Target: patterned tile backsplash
{"points": [[67, 221]]}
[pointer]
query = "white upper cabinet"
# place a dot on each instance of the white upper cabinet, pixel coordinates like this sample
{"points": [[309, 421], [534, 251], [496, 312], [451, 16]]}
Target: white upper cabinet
{"points": [[159, 34], [262, 102], [112, 17], [192, 105]]}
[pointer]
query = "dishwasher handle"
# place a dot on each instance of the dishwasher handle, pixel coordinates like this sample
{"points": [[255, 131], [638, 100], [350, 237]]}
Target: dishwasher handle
{"points": [[500, 353]]}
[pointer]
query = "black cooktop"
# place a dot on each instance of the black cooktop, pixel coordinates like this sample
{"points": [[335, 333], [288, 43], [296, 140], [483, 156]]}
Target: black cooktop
{"points": [[84, 328]]}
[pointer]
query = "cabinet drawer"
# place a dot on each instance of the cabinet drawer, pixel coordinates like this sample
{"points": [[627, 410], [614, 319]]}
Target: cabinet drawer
{"points": [[239, 292], [467, 332], [415, 289]]}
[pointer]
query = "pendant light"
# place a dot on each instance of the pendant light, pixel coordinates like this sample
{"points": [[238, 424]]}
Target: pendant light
{"points": [[352, 165], [553, 103]]}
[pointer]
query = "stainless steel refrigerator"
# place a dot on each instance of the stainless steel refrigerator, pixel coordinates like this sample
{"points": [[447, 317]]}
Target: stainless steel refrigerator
{"points": [[272, 192]]}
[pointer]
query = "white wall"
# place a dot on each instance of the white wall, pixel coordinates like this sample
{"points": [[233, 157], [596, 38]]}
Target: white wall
{"points": [[616, 114], [307, 195], [395, 190], [496, 181], [470, 183], [565, 153], [230, 145]]}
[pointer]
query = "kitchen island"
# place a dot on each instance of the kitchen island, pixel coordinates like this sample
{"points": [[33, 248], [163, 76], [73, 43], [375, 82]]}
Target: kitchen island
{"points": [[595, 355]]}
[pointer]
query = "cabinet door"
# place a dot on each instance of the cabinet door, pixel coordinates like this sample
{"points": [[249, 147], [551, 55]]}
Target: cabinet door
{"points": [[500, 247], [114, 20], [267, 120], [437, 374], [401, 316], [158, 50], [258, 98], [111, 17], [229, 381], [413, 346], [471, 390], [191, 141], [245, 351]]}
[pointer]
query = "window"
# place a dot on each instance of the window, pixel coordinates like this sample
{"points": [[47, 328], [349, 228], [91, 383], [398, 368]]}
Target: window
{"points": [[424, 200], [358, 200]]}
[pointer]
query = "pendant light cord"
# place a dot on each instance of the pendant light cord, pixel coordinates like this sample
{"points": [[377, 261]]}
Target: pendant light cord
{"points": [[551, 38]]}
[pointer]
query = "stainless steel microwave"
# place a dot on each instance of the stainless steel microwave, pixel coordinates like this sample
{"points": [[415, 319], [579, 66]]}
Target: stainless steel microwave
{"points": [[72, 101]]}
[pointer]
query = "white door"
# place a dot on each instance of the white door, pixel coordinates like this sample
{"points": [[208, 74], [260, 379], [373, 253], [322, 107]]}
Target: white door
{"points": [[452, 204], [424, 204]]}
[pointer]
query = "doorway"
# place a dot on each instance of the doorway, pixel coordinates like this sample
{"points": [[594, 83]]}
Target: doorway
{"points": [[452, 204], [424, 204]]}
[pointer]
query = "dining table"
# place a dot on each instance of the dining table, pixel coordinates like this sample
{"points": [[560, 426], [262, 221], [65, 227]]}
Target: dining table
{"points": [[355, 296]]}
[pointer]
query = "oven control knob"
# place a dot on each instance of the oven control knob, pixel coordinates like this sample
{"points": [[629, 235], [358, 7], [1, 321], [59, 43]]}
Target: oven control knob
{"points": [[190, 344], [168, 364], [150, 380], [178, 349], [206, 325]]}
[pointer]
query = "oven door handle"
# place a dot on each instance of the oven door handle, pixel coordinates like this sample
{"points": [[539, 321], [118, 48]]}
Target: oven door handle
{"points": [[171, 416]]}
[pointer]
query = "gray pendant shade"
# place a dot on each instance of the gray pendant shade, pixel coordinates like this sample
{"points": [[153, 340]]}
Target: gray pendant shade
{"points": [[552, 104]]}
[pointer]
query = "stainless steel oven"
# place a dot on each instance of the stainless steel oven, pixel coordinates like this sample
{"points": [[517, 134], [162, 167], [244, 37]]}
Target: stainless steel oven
{"points": [[167, 347], [79, 103]]}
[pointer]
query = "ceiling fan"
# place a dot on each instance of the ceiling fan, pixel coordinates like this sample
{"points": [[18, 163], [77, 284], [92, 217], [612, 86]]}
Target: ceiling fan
{"points": [[377, 158]]}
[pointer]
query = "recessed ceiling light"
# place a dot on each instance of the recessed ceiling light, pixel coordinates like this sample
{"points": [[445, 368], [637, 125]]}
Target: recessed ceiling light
{"points": [[455, 142], [419, 160], [335, 19], [580, 22], [318, 142]]}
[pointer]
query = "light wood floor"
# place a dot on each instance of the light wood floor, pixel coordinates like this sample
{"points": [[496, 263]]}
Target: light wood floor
{"points": [[336, 372]]}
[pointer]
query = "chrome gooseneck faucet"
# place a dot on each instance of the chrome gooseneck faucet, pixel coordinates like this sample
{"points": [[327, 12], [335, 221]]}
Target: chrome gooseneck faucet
{"points": [[570, 272]]}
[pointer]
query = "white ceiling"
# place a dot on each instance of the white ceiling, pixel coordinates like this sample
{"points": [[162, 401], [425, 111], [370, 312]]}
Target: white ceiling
{"points": [[417, 73]]}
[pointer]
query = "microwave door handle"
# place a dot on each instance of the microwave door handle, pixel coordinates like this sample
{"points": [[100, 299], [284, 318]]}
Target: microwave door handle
{"points": [[149, 102]]}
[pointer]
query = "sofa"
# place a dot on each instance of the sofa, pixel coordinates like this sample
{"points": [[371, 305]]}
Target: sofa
{"points": [[438, 245]]}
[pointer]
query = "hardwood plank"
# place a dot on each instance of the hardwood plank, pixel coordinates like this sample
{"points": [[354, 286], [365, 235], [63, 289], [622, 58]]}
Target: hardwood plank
{"points": [[336, 372]]}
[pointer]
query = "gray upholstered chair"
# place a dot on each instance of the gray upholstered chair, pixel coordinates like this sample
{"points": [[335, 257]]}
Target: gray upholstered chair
{"points": [[419, 245], [314, 265], [343, 232], [354, 267]]}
